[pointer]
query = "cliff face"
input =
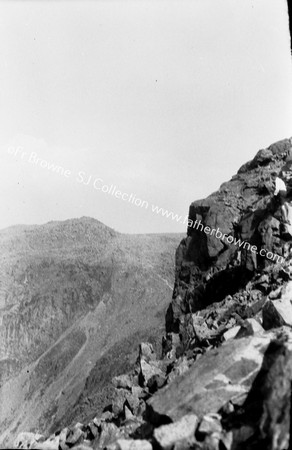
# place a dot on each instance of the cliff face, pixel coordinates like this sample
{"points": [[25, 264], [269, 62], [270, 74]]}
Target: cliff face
{"points": [[208, 267], [223, 377]]}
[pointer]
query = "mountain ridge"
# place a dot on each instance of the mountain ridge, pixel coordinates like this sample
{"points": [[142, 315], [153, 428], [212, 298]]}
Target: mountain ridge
{"points": [[221, 378], [73, 275]]}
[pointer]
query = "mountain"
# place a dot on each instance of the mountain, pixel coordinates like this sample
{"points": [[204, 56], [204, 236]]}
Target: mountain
{"points": [[222, 377], [76, 298]]}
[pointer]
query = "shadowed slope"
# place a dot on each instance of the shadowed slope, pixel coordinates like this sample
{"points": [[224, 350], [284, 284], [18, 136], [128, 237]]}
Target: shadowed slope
{"points": [[70, 292]]}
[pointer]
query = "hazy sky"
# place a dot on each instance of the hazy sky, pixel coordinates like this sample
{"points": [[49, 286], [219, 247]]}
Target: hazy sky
{"points": [[162, 99]]}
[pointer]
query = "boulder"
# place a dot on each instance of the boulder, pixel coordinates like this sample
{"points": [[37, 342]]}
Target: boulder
{"points": [[249, 328], [110, 433], [128, 414], [169, 344], [122, 397], [156, 382], [277, 313], [211, 435], [220, 375], [210, 423], [263, 157], [118, 400], [175, 433], [62, 439], [131, 444], [92, 430], [180, 367], [146, 352], [202, 331], [138, 391], [211, 442], [263, 421], [74, 436], [148, 371], [151, 374], [231, 333]]}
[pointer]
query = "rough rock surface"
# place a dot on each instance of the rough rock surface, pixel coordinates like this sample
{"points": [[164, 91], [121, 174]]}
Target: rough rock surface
{"points": [[224, 374], [223, 380], [182, 431], [263, 421], [279, 312], [207, 267]]}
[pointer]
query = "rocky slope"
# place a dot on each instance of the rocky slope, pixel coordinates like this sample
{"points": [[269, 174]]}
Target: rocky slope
{"points": [[223, 377], [76, 298]]}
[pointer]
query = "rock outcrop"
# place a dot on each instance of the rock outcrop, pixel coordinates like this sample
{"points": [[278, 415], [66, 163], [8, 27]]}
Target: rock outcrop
{"points": [[223, 378]]}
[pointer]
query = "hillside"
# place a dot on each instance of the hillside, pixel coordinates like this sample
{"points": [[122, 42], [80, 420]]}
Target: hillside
{"points": [[223, 378], [76, 299]]}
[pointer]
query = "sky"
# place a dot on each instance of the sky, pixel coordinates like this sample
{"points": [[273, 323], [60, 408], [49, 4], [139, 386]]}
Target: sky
{"points": [[110, 108]]}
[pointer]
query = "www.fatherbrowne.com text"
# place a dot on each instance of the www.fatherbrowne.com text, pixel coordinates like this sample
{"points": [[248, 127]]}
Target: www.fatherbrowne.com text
{"points": [[111, 189]]}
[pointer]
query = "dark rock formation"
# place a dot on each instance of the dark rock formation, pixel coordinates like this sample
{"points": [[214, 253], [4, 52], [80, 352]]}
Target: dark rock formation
{"points": [[208, 267], [222, 375], [263, 421]]}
